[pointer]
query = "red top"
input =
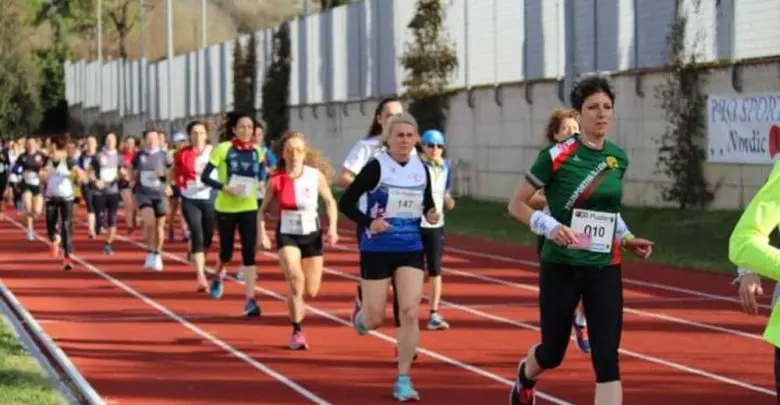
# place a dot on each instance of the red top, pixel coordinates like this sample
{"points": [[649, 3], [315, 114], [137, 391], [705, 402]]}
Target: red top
{"points": [[127, 156], [284, 189], [184, 169]]}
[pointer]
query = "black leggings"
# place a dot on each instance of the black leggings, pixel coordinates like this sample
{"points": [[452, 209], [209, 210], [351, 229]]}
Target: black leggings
{"points": [[106, 207], [200, 218], [246, 223], [601, 290], [60, 212]]}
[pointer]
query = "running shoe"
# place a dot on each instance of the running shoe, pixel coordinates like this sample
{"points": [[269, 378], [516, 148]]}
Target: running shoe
{"points": [[581, 335], [149, 263], [108, 249], [357, 323], [157, 262], [30, 236], [251, 308], [437, 322], [216, 288], [403, 390], [298, 341], [357, 305], [522, 392], [67, 265]]}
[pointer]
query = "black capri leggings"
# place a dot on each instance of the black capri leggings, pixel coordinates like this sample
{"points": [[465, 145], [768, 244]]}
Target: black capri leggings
{"points": [[601, 289], [201, 219], [246, 223], [106, 207], [433, 247], [60, 212]]}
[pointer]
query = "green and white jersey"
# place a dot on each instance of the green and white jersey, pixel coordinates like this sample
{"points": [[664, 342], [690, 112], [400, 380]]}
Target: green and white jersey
{"points": [[583, 187]]}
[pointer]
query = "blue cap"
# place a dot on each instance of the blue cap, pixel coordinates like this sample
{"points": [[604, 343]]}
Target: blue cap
{"points": [[179, 137], [432, 137]]}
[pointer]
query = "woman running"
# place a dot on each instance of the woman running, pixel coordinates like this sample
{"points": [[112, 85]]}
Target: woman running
{"points": [[301, 178], [440, 173], [398, 193], [196, 205], [749, 248], [128, 151], [87, 193], [360, 154], [238, 162], [180, 141], [5, 170], [59, 200], [28, 166], [582, 181], [104, 182], [150, 166], [15, 180]]}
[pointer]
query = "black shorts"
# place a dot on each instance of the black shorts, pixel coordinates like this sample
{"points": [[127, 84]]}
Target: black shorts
{"points": [[382, 265], [310, 245], [26, 188], [89, 198], [123, 184], [159, 205], [433, 247]]}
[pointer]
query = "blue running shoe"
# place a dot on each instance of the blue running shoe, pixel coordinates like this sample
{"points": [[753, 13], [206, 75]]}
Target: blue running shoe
{"points": [[251, 308], [581, 335], [403, 389], [216, 288], [357, 323]]}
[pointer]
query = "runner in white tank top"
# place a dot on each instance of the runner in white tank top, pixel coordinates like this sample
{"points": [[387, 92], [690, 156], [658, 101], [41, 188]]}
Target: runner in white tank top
{"points": [[300, 180]]}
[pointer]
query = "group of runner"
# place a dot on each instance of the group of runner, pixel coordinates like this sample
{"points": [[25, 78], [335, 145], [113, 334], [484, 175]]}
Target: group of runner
{"points": [[398, 187]]}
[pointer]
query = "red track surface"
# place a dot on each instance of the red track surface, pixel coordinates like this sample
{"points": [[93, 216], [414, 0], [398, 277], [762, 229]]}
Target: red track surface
{"points": [[141, 337]]}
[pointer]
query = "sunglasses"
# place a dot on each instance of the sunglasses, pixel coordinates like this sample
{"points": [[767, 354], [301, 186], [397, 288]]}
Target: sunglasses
{"points": [[294, 150], [434, 145]]}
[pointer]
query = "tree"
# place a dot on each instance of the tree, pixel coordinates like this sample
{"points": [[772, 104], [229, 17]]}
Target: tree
{"points": [[681, 156], [241, 96], [430, 60], [122, 16], [250, 72], [19, 74], [276, 87], [329, 4]]}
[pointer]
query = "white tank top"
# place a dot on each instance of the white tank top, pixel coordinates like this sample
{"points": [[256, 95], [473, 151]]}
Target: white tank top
{"points": [[298, 201]]}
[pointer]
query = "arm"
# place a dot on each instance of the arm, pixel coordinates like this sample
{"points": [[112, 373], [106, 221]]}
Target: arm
{"points": [[749, 242], [268, 198], [330, 203], [365, 181], [356, 159], [520, 205], [428, 203], [217, 157], [538, 201]]}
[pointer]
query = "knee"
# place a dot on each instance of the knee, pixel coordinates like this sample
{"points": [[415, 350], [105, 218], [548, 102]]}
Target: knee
{"points": [[373, 318], [311, 291], [408, 315], [606, 367], [549, 358], [295, 281]]}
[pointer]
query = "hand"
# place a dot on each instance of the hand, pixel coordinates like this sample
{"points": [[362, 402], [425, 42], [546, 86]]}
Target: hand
{"points": [[432, 216], [449, 203], [265, 242], [234, 190], [378, 226], [100, 184], [749, 288], [160, 171], [642, 248], [333, 236], [563, 236], [168, 191]]}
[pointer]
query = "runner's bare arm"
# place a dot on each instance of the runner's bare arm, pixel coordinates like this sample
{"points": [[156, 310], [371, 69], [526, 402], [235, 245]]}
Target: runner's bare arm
{"points": [[521, 206], [344, 178], [331, 207]]}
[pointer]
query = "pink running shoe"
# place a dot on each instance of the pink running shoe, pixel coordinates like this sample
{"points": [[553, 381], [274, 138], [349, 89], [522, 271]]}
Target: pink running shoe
{"points": [[298, 341]]}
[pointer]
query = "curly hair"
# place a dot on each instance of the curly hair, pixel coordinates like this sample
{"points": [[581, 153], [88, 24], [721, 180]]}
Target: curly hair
{"points": [[314, 157], [555, 121], [229, 121]]}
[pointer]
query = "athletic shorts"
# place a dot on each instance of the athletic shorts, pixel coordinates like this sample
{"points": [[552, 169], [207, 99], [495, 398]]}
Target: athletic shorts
{"points": [[159, 205], [382, 265], [310, 245], [25, 188], [176, 192]]}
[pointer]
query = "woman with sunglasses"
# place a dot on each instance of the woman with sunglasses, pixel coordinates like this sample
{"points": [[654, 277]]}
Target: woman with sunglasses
{"points": [[237, 162], [440, 173], [299, 181], [398, 194], [60, 189]]}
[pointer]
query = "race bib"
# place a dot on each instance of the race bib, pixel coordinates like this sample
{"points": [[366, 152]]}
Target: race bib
{"points": [[595, 230], [61, 187], [195, 184], [298, 223], [404, 203], [260, 190], [31, 178], [150, 179], [108, 174], [248, 185]]}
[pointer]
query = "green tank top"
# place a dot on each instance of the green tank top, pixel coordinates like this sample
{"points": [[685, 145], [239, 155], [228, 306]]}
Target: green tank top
{"points": [[583, 187]]}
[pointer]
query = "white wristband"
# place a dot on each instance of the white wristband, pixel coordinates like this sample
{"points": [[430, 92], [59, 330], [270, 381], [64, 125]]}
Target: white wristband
{"points": [[542, 224], [621, 230]]}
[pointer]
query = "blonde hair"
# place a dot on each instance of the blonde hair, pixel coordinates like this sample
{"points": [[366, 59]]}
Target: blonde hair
{"points": [[314, 157]]}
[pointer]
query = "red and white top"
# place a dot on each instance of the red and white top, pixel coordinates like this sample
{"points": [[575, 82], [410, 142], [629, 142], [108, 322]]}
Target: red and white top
{"points": [[298, 201], [188, 166]]}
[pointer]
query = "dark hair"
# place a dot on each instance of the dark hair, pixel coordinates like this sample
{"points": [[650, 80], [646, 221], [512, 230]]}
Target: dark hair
{"points": [[105, 137], [60, 141], [375, 128], [587, 87], [147, 132], [555, 121], [230, 121], [195, 123]]}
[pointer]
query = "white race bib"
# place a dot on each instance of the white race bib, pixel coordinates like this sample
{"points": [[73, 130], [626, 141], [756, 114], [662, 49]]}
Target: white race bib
{"points": [[108, 174], [595, 229], [61, 187], [298, 222], [31, 178], [150, 179], [248, 185], [404, 203]]}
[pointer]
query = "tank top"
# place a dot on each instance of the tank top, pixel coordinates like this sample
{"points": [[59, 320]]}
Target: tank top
{"points": [[298, 201]]}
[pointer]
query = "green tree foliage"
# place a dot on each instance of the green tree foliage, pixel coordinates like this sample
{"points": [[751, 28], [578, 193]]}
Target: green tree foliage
{"points": [[250, 72], [276, 87], [681, 156], [429, 60], [241, 96], [19, 74]]}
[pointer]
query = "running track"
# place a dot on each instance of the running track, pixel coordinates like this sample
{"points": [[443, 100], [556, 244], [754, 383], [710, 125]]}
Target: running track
{"points": [[141, 337]]}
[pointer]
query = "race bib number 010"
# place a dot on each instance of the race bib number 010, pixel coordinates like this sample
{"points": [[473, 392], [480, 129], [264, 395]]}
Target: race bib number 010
{"points": [[404, 203], [595, 230], [298, 223]]}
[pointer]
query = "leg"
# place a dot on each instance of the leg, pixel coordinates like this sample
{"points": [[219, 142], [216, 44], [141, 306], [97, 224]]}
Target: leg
{"points": [[226, 226], [603, 299], [409, 281], [191, 211], [90, 203], [160, 212], [208, 223], [376, 271], [66, 227], [129, 206], [433, 246], [247, 229], [98, 209], [110, 217], [290, 262], [51, 226], [27, 202]]}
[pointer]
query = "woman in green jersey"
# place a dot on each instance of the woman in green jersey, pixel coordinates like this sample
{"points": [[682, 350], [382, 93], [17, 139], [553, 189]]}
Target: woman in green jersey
{"points": [[238, 164], [582, 181], [749, 248]]}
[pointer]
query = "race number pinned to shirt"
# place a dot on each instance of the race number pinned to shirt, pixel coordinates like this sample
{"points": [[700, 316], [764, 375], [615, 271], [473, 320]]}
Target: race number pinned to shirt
{"points": [[298, 223], [595, 230], [248, 185], [404, 203], [31, 178], [150, 179], [108, 174]]}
